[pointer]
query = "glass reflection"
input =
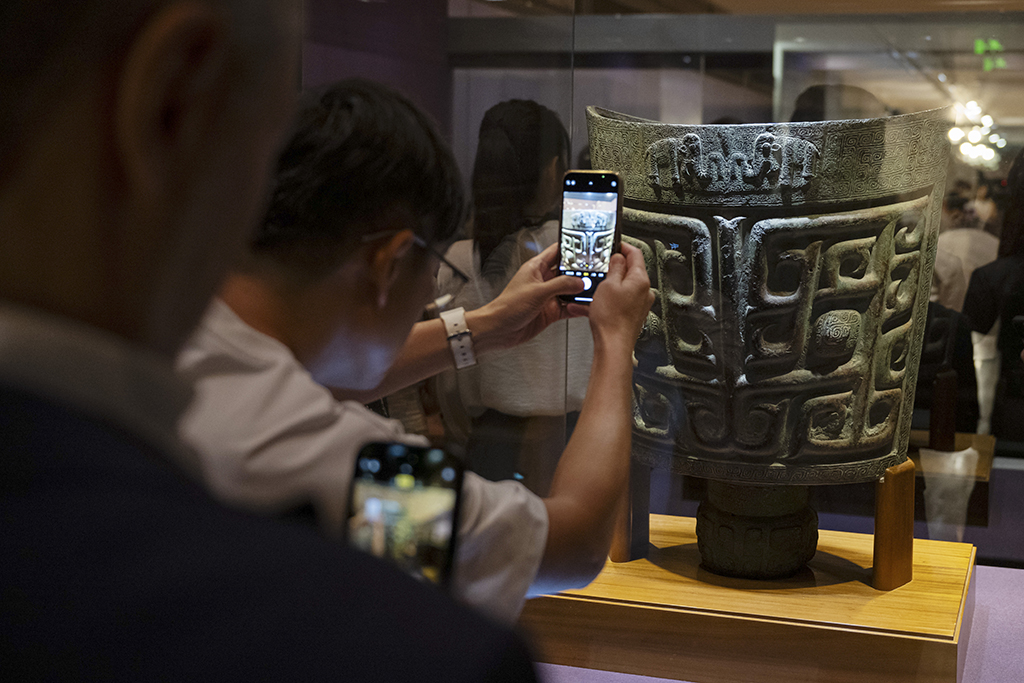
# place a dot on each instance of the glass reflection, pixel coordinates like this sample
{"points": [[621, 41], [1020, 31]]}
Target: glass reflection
{"points": [[511, 409]]}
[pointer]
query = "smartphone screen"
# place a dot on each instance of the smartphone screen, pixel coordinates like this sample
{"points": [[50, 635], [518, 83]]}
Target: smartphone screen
{"points": [[404, 508], [589, 231]]}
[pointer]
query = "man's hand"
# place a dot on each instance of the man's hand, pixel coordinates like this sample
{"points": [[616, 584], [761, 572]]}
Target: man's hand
{"points": [[622, 301], [527, 305]]}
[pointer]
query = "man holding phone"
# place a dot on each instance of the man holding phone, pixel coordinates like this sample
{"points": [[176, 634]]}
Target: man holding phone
{"points": [[366, 195]]}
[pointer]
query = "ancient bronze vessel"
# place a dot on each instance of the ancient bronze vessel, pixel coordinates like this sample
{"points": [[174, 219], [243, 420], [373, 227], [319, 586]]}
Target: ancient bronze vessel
{"points": [[791, 264]]}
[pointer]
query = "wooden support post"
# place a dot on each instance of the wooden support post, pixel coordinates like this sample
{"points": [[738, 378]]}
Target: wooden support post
{"points": [[632, 528], [894, 527]]}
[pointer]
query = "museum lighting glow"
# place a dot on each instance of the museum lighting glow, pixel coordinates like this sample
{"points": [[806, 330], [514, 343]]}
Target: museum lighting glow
{"points": [[980, 155], [977, 139]]}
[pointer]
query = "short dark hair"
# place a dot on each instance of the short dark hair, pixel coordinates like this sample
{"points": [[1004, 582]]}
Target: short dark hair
{"points": [[955, 202], [358, 150]]}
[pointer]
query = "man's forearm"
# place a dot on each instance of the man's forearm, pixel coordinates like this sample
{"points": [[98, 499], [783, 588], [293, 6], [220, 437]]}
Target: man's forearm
{"points": [[591, 476], [427, 352]]}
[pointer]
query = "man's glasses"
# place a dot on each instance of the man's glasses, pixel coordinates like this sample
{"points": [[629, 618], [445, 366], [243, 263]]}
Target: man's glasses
{"points": [[442, 302], [421, 243]]}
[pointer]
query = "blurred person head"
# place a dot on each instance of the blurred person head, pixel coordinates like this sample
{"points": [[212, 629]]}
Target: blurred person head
{"points": [[366, 195], [521, 157], [136, 138], [954, 203], [836, 102], [1011, 239], [962, 187]]}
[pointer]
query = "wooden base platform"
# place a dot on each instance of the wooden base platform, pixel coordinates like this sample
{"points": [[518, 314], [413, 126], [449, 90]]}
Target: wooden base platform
{"points": [[664, 616]]}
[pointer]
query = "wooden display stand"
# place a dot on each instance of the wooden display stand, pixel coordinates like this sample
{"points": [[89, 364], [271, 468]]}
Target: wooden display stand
{"points": [[894, 523], [664, 616]]}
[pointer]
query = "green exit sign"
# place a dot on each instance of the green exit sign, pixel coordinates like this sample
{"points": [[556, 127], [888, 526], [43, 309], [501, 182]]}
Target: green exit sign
{"points": [[989, 49], [983, 46]]}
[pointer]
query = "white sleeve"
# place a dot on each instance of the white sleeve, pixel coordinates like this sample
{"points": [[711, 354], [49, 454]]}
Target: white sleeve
{"points": [[502, 532], [270, 436]]}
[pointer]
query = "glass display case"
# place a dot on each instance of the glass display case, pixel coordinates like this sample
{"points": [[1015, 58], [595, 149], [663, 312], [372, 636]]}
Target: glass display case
{"points": [[730, 62]]}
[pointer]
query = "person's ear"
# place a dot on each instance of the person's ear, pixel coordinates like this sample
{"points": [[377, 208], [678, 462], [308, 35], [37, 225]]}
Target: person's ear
{"points": [[385, 261], [170, 93]]}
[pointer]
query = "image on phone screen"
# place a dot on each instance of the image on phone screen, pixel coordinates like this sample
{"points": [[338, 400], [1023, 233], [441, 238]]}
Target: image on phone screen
{"points": [[404, 508], [590, 210]]}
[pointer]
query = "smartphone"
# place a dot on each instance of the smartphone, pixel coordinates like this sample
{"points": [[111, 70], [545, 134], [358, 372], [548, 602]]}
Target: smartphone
{"points": [[404, 507], [589, 232]]}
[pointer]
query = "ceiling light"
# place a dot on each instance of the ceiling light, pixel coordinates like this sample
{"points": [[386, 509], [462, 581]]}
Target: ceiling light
{"points": [[974, 136], [966, 148], [956, 134]]}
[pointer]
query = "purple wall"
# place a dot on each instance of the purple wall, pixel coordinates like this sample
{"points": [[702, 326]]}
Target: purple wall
{"points": [[402, 43]]}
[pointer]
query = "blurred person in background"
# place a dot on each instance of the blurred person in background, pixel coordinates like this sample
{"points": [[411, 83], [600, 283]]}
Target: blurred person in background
{"points": [[994, 296]]}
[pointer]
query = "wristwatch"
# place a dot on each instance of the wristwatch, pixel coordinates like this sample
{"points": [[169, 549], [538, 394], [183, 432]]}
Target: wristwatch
{"points": [[459, 337]]}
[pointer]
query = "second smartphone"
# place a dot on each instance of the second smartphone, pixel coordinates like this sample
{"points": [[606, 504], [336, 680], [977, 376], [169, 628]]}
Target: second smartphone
{"points": [[589, 231], [405, 507]]}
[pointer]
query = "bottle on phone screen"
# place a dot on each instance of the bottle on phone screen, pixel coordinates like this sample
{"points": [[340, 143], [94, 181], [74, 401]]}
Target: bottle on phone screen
{"points": [[404, 507], [589, 231]]}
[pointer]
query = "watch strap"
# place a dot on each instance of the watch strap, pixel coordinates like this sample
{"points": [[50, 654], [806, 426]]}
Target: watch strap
{"points": [[459, 337]]}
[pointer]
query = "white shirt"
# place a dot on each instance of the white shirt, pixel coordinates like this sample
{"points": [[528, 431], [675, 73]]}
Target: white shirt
{"points": [[271, 437], [546, 375]]}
